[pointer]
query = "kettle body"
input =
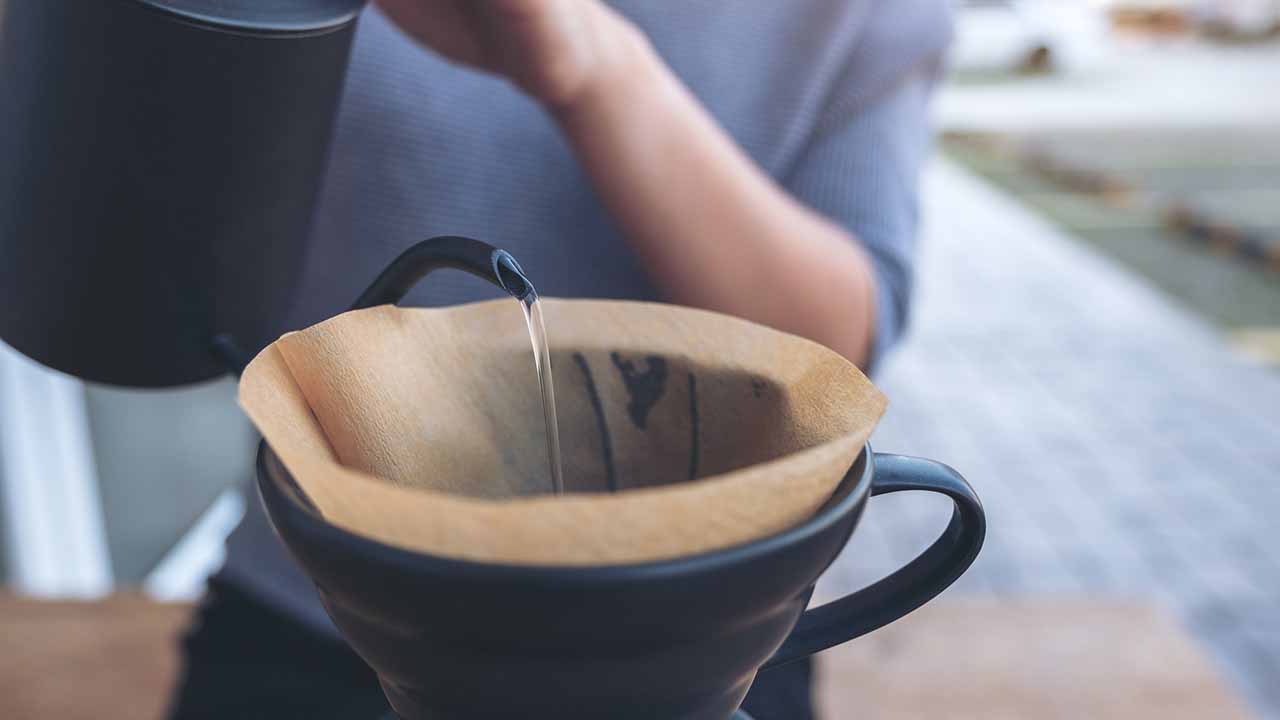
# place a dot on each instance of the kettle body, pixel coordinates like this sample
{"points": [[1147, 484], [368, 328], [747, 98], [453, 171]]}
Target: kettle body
{"points": [[162, 161]]}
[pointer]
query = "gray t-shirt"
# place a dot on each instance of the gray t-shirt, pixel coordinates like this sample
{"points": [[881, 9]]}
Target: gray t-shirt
{"points": [[829, 97]]}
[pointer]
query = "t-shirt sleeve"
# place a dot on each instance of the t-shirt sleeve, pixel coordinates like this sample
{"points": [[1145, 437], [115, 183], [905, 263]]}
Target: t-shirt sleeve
{"points": [[861, 164], [864, 176]]}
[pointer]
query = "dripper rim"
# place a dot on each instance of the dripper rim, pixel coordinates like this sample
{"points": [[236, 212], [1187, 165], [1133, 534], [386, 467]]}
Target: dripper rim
{"points": [[851, 492]]}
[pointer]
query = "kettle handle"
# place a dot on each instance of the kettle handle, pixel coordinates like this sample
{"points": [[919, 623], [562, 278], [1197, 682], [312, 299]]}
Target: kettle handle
{"points": [[447, 251], [916, 583]]}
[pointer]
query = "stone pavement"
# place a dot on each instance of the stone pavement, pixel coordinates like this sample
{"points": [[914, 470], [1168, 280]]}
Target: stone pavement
{"points": [[1192, 210], [1121, 449]]}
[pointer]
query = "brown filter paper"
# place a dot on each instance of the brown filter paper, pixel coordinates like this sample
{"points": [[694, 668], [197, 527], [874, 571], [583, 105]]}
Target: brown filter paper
{"points": [[422, 428]]}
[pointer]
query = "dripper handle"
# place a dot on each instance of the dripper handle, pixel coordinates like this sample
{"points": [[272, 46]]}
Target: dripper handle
{"points": [[916, 583], [448, 251]]}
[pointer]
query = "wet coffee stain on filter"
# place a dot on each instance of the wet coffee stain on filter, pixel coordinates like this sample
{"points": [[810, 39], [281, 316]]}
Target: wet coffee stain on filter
{"points": [[597, 407], [644, 387]]}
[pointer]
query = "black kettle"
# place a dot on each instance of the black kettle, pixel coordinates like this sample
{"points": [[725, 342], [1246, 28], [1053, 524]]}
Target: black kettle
{"points": [[161, 164]]}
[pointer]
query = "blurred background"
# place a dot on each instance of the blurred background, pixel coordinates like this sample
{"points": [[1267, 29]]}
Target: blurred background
{"points": [[1095, 345]]}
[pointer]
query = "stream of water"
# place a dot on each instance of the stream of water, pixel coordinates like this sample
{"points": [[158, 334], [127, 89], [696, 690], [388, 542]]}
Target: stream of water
{"points": [[542, 362]]}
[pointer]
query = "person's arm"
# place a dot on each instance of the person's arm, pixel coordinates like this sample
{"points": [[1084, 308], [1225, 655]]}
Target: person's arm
{"points": [[709, 226]]}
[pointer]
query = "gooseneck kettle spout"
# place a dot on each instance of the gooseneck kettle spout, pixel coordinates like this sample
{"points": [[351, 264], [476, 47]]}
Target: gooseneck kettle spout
{"points": [[459, 253]]}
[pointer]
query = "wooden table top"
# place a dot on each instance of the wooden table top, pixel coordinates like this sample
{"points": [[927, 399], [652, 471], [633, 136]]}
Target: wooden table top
{"points": [[973, 659], [1024, 659]]}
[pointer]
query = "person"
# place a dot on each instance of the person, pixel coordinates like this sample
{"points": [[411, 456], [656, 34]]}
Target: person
{"points": [[754, 158]]}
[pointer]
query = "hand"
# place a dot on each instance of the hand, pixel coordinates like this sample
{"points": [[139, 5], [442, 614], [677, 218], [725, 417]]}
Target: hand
{"points": [[558, 51]]}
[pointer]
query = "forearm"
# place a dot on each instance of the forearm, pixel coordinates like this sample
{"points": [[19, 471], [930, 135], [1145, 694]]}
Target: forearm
{"points": [[709, 226], [711, 229]]}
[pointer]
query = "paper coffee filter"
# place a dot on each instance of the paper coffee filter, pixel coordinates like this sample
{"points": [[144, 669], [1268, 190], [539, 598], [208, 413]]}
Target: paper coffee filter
{"points": [[423, 429]]}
